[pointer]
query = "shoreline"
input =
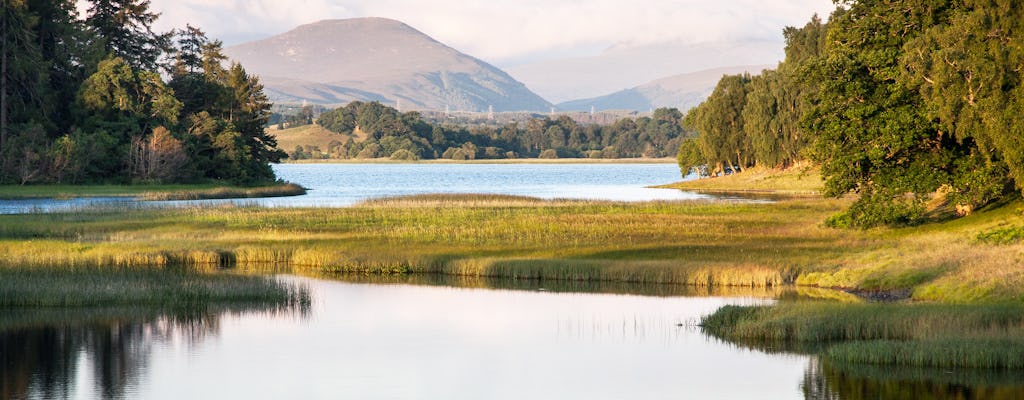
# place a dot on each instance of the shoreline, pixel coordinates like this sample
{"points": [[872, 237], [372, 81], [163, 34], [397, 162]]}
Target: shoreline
{"points": [[143, 192]]}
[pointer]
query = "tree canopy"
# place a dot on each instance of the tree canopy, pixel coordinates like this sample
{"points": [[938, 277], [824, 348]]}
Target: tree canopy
{"points": [[899, 102], [382, 131], [84, 100]]}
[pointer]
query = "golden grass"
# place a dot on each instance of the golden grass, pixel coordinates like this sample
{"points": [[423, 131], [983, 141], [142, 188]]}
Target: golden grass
{"points": [[693, 243], [306, 136], [800, 180]]}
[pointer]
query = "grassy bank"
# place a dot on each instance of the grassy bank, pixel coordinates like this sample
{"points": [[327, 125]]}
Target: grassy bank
{"points": [[794, 181], [694, 243], [151, 288], [922, 335], [149, 192], [691, 243]]}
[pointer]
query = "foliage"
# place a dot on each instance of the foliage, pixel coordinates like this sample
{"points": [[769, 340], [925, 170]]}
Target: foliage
{"points": [[381, 126], [898, 101], [85, 100]]}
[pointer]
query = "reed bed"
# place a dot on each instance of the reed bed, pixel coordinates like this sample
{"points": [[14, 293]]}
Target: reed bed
{"points": [[138, 287], [694, 243], [279, 190], [922, 335]]}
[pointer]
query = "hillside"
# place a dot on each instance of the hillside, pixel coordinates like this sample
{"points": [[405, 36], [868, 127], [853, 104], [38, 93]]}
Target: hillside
{"points": [[305, 136], [682, 91], [377, 59], [566, 79]]}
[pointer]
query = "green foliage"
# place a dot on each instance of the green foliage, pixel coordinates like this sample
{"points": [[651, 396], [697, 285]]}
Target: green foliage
{"points": [[1009, 235], [90, 96]]}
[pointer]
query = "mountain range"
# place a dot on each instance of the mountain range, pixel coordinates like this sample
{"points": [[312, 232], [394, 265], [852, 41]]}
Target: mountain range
{"points": [[376, 59], [682, 91], [333, 62]]}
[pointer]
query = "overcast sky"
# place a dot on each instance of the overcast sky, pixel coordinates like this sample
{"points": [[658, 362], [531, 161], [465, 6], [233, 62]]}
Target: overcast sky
{"points": [[508, 32]]}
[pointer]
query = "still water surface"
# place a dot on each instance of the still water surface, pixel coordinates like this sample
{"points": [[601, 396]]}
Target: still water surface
{"points": [[340, 185], [401, 341]]}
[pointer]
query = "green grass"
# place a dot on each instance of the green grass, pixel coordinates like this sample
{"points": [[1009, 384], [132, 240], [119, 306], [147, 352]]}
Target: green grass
{"points": [[695, 243], [922, 335], [137, 287], [148, 192]]}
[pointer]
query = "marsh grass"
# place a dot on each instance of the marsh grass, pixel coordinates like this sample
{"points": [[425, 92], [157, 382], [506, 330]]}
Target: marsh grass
{"points": [[149, 191], [924, 335], [161, 288], [693, 243], [279, 190]]}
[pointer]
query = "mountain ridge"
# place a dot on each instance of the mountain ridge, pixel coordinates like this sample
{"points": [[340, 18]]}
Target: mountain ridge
{"points": [[378, 59], [682, 91]]}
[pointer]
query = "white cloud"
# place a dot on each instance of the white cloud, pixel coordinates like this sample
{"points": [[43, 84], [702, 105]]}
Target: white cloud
{"points": [[505, 30]]}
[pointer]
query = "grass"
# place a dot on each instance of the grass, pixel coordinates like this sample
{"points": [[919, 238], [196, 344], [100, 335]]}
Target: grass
{"points": [[148, 192], [695, 243], [159, 288], [920, 335], [306, 136], [797, 180]]}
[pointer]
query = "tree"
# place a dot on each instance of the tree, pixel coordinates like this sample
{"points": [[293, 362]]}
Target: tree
{"points": [[969, 78], [719, 124], [873, 136], [125, 27]]}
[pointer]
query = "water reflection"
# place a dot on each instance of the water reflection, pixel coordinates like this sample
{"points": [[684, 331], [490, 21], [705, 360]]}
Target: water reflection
{"points": [[826, 380], [94, 353]]}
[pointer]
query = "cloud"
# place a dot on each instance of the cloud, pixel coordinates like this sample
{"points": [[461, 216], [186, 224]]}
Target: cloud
{"points": [[504, 30]]}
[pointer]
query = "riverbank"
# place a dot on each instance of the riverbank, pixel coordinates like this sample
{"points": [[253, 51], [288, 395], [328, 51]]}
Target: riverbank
{"points": [[695, 243], [801, 180], [149, 192]]}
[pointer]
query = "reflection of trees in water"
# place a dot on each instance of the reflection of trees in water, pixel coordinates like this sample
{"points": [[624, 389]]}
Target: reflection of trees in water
{"points": [[824, 380], [43, 362]]}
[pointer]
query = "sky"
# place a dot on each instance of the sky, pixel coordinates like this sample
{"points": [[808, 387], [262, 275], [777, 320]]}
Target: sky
{"points": [[509, 32]]}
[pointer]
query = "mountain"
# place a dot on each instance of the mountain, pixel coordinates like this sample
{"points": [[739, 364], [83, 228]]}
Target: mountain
{"points": [[337, 61], [682, 91], [622, 67]]}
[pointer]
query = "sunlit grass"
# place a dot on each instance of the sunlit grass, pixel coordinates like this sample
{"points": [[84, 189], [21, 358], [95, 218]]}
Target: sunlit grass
{"points": [[150, 191], [150, 287], [925, 335], [695, 243]]}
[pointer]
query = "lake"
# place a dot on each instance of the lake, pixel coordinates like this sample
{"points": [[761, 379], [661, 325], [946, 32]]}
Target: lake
{"points": [[454, 339], [341, 185]]}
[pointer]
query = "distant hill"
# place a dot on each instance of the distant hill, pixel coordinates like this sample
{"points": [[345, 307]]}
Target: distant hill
{"points": [[337, 61], [625, 66], [682, 91]]}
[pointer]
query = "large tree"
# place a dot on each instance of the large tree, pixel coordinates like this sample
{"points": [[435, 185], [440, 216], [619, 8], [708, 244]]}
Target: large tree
{"points": [[873, 136], [126, 29], [969, 75]]}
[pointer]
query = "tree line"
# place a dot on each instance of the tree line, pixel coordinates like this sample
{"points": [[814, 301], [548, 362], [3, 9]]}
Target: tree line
{"points": [[84, 100], [898, 101], [375, 130]]}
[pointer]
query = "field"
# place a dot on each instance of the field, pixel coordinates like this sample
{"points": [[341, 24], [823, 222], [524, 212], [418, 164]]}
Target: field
{"points": [[306, 136]]}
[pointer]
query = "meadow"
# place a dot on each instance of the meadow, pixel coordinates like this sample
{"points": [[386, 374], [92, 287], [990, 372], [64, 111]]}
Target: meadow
{"points": [[695, 243]]}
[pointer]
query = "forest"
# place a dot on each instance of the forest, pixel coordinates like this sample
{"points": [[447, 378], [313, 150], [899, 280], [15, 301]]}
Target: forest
{"points": [[105, 99], [374, 131], [899, 102]]}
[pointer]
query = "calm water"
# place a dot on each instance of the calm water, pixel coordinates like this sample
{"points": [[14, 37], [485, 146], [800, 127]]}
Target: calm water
{"points": [[339, 185], [389, 341]]}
